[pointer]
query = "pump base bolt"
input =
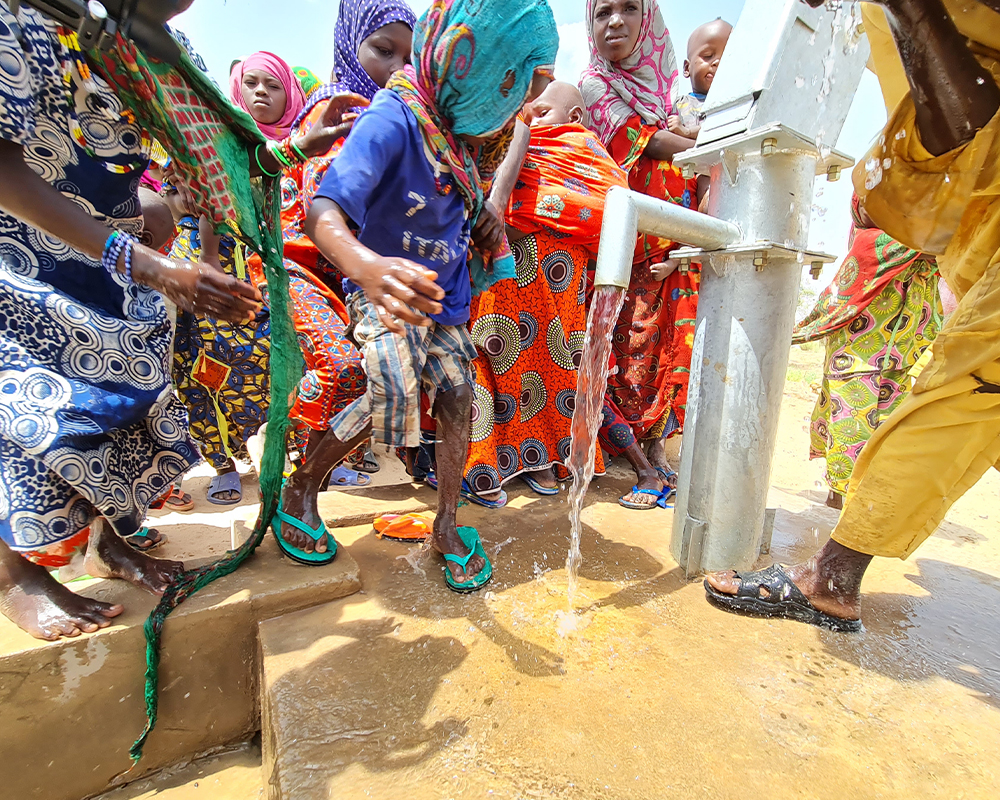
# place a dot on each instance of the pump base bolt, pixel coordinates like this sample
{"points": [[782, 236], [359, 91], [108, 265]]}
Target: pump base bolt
{"points": [[769, 147], [833, 174], [760, 260]]}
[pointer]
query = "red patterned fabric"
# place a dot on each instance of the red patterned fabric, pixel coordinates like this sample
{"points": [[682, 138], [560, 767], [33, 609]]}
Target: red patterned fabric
{"points": [[655, 332], [334, 375]]}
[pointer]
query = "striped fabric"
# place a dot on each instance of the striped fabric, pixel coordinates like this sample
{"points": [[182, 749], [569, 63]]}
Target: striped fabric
{"points": [[436, 359]]}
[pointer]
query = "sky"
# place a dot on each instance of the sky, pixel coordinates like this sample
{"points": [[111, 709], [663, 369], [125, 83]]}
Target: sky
{"points": [[301, 31]]}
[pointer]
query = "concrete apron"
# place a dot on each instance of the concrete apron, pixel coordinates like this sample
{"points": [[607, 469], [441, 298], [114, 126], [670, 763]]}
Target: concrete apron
{"points": [[70, 710], [408, 690]]}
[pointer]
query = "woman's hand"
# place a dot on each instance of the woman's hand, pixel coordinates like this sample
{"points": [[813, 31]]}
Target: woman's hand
{"points": [[198, 288], [334, 124], [490, 228]]}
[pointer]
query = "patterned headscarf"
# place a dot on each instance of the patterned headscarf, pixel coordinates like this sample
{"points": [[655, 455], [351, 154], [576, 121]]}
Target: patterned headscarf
{"points": [[278, 68], [356, 21], [644, 83], [464, 51]]}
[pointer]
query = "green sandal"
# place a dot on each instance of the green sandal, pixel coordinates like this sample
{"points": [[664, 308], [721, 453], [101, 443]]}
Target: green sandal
{"points": [[470, 538], [313, 559]]}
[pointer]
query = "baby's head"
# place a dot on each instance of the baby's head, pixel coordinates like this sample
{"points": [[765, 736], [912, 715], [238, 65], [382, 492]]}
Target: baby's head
{"points": [[157, 219], [705, 48], [560, 104]]}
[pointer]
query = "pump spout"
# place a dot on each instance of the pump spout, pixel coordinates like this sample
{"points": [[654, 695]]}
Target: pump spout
{"points": [[628, 213]]}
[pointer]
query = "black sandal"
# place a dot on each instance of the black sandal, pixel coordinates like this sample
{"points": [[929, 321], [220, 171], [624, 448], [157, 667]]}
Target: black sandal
{"points": [[783, 600], [367, 462], [145, 539]]}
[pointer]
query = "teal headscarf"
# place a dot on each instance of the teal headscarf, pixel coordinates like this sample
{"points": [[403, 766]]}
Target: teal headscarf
{"points": [[479, 58]]}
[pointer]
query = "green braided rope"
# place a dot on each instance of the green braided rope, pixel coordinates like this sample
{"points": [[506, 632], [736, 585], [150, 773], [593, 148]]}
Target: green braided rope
{"points": [[257, 203]]}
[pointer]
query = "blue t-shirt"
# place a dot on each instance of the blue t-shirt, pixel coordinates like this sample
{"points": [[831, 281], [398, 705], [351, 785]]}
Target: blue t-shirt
{"points": [[383, 181]]}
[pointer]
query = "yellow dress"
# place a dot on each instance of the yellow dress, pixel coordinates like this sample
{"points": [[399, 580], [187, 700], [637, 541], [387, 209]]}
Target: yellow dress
{"points": [[946, 434]]}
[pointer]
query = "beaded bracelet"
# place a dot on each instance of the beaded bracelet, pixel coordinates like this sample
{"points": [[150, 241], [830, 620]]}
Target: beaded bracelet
{"points": [[274, 148], [256, 155], [118, 243]]}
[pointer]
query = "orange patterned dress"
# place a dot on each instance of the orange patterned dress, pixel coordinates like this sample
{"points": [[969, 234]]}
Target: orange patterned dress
{"points": [[530, 330], [655, 332], [334, 374]]}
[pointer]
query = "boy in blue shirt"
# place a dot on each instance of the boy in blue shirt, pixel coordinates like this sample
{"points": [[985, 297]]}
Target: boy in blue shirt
{"points": [[411, 180]]}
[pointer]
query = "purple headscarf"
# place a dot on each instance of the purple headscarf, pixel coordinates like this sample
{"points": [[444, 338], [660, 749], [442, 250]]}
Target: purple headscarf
{"points": [[356, 21]]}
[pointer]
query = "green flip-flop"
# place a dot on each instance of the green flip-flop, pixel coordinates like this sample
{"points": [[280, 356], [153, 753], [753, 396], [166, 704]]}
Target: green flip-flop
{"points": [[313, 559], [470, 538]]}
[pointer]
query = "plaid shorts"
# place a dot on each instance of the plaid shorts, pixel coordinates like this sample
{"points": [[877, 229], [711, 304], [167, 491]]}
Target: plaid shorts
{"points": [[436, 359]]}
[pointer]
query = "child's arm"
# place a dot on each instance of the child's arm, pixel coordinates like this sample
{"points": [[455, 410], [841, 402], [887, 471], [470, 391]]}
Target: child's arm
{"points": [[489, 231], [193, 287], [396, 286]]}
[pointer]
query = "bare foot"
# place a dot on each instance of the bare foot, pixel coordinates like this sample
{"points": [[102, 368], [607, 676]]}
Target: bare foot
{"points": [[35, 602], [299, 500], [831, 580], [109, 556], [447, 540], [650, 481], [545, 477]]}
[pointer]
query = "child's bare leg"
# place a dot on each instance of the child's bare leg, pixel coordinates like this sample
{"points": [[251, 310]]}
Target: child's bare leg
{"points": [[325, 451], [452, 410]]}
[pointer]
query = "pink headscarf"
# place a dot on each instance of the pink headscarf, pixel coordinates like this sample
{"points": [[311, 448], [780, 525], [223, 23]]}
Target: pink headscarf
{"points": [[278, 68], [643, 84]]}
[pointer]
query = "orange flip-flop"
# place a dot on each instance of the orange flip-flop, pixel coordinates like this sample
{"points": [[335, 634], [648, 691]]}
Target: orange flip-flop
{"points": [[403, 527]]}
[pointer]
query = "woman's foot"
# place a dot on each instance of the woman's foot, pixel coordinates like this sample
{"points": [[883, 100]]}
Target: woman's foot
{"points": [[830, 580], [649, 481], [546, 478], [109, 556], [35, 602], [298, 499], [445, 539], [223, 490]]}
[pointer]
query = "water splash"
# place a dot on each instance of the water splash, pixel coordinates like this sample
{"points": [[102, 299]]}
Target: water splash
{"points": [[591, 384]]}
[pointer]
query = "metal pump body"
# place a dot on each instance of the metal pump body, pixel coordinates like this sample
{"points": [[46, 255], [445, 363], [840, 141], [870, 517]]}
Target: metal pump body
{"points": [[778, 101]]}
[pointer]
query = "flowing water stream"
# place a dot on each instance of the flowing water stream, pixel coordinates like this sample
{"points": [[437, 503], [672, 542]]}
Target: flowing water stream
{"points": [[592, 382]]}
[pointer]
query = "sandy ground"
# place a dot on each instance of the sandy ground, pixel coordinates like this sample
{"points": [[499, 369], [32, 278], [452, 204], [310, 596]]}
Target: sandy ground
{"points": [[408, 690]]}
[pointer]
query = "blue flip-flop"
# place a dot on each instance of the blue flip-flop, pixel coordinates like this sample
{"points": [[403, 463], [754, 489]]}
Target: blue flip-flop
{"points": [[470, 538], [468, 494], [537, 488], [226, 482], [345, 476], [662, 498], [312, 559]]}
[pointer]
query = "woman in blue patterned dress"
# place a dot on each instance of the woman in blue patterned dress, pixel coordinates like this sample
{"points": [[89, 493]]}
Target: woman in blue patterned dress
{"points": [[90, 430]]}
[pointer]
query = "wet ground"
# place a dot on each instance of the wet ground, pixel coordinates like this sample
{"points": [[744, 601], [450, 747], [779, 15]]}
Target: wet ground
{"points": [[409, 690]]}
